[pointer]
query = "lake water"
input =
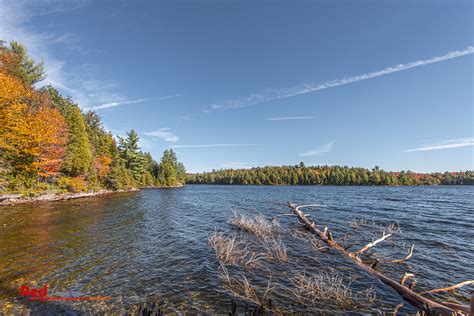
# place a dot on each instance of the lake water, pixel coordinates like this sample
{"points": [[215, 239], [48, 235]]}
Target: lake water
{"points": [[140, 246]]}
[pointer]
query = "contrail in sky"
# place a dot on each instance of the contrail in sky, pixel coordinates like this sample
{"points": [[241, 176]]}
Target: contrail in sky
{"points": [[274, 94], [114, 104]]}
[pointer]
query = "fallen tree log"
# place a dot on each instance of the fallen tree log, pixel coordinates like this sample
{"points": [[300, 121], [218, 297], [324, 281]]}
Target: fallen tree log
{"points": [[408, 294]]}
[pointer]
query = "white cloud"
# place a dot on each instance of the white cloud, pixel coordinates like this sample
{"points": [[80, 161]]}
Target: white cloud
{"points": [[285, 118], [14, 15], [165, 134], [145, 143], [445, 144], [123, 102], [214, 145], [274, 94], [318, 151], [78, 81]]}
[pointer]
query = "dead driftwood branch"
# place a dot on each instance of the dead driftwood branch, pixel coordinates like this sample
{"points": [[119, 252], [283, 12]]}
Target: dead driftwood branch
{"points": [[449, 288], [372, 244], [410, 254], [405, 277], [460, 308], [414, 298]]}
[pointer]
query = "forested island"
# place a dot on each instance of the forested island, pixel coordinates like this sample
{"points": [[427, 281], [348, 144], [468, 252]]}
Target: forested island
{"points": [[326, 175], [48, 145]]}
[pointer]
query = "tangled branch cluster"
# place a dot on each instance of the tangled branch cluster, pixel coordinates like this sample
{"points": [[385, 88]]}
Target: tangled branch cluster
{"points": [[328, 285], [258, 225], [258, 253]]}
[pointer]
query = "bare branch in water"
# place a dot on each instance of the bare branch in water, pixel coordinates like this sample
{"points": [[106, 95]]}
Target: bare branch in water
{"points": [[364, 223], [315, 243], [450, 288], [466, 310], [405, 277], [410, 254], [258, 225], [373, 243], [328, 285], [242, 288], [233, 250], [276, 250]]}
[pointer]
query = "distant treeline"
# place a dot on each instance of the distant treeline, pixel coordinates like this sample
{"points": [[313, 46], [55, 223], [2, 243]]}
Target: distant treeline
{"points": [[327, 175], [48, 144]]}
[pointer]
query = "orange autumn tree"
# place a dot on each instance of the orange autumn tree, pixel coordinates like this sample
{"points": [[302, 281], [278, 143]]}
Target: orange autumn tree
{"points": [[102, 165], [50, 125], [46, 138], [32, 133]]}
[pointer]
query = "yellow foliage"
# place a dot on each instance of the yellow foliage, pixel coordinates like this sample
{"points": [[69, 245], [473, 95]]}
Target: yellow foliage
{"points": [[11, 90], [102, 165], [33, 138], [74, 185]]}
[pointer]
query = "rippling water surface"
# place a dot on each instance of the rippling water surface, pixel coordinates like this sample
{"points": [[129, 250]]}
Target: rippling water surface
{"points": [[152, 244]]}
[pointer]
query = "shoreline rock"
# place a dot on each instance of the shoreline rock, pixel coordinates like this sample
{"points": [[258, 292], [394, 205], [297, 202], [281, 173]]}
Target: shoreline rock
{"points": [[164, 187], [14, 199]]}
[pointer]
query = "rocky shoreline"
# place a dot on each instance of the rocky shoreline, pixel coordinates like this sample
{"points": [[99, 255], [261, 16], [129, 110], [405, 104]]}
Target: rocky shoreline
{"points": [[14, 199], [179, 185]]}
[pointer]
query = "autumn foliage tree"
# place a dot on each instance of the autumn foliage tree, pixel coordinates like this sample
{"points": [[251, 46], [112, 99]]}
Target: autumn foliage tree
{"points": [[47, 141], [15, 61], [32, 133]]}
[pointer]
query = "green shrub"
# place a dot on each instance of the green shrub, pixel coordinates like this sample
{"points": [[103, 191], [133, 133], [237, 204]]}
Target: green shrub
{"points": [[93, 181]]}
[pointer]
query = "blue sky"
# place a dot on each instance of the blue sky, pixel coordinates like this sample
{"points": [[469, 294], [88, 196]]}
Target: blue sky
{"points": [[253, 83]]}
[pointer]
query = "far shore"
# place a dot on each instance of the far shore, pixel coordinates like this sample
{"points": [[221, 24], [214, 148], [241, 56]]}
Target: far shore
{"points": [[14, 199]]}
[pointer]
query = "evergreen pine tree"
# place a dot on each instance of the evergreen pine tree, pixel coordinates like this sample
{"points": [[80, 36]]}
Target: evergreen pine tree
{"points": [[130, 152], [78, 158]]}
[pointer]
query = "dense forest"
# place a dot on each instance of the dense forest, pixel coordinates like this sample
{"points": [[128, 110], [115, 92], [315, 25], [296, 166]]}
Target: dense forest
{"points": [[47, 144], [326, 175]]}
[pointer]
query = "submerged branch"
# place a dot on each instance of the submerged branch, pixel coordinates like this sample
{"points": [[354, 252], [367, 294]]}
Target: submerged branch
{"points": [[449, 288], [410, 253], [327, 285], [258, 225], [242, 288]]}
